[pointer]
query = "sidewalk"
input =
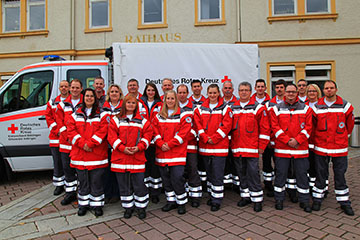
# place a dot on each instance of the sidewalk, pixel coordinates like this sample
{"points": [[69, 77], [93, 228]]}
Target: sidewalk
{"points": [[39, 215]]}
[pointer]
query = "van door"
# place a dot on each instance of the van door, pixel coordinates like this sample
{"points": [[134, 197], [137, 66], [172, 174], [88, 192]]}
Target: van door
{"points": [[24, 140]]}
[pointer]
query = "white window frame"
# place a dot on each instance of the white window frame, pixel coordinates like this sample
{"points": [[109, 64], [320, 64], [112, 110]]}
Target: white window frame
{"points": [[90, 14], [10, 5], [318, 67], [28, 4], [328, 11], [283, 68], [285, 14], [210, 19], [143, 14]]}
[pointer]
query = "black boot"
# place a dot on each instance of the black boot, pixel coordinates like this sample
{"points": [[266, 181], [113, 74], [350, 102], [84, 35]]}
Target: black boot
{"points": [[69, 198]]}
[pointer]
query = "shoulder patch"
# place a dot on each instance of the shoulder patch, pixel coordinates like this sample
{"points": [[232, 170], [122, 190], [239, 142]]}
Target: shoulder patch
{"points": [[341, 125], [188, 119], [108, 119]]}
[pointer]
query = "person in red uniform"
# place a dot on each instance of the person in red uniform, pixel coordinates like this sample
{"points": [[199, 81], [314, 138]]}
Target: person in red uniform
{"points": [[249, 136], [191, 170], [87, 130], [112, 107], [151, 105], [171, 128], [334, 124], [63, 112], [133, 88], [58, 175], [302, 84], [213, 120], [291, 122], [166, 85], [129, 135]]}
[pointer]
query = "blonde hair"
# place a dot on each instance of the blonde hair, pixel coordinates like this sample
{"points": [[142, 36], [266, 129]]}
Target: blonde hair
{"points": [[108, 92], [316, 88], [164, 110]]}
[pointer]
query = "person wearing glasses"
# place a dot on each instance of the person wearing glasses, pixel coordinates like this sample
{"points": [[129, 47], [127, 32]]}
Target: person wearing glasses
{"points": [[302, 84], [291, 122]]}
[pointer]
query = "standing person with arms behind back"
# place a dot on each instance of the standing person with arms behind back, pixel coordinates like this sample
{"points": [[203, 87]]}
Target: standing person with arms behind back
{"points": [[213, 120], [334, 124], [171, 128], [58, 176]]}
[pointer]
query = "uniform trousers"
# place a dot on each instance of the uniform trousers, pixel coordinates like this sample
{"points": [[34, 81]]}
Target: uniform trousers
{"points": [[268, 170], [174, 184], [312, 171], [133, 191], [91, 189], [340, 165], [58, 175], [230, 175], [192, 175], [152, 175], [301, 166], [215, 173], [70, 174], [111, 187], [250, 185]]}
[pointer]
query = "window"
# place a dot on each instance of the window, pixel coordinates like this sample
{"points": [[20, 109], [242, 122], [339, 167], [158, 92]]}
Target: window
{"points": [[23, 17], [86, 76], [302, 10], [209, 12], [27, 91], [98, 16], [313, 72], [152, 14]]}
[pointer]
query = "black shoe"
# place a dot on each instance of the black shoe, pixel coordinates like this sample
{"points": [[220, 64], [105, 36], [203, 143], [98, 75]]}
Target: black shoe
{"points": [[215, 207], [258, 207], [305, 206], [98, 211], [69, 198], [168, 207], [347, 210], [82, 211], [195, 204], [316, 206], [155, 199], [128, 213], [208, 202], [294, 199], [243, 202], [181, 209], [279, 205], [58, 190], [141, 213]]}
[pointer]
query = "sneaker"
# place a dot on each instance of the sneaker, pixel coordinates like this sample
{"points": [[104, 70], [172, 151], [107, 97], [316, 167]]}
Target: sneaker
{"points": [[58, 190]]}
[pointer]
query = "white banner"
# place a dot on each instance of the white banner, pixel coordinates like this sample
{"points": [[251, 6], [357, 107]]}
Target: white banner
{"points": [[184, 62]]}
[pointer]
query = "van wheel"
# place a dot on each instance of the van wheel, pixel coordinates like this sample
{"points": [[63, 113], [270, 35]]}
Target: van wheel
{"points": [[9, 173], [2, 170]]}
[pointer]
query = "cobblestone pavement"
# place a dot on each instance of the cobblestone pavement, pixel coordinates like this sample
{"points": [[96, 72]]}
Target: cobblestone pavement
{"points": [[42, 217]]}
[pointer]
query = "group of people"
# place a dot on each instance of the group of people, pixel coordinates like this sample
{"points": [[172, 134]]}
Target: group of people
{"points": [[132, 147]]}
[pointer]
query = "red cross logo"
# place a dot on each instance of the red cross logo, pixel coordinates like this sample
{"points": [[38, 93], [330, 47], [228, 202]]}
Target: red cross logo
{"points": [[226, 78], [13, 128]]}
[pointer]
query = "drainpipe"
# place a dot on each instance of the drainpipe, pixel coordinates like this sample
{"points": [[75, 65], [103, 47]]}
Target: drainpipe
{"points": [[238, 20], [72, 27]]}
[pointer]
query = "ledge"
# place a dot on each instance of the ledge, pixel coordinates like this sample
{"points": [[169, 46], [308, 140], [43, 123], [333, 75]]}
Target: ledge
{"points": [[303, 18], [198, 24], [25, 34], [98, 30], [150, 26]]}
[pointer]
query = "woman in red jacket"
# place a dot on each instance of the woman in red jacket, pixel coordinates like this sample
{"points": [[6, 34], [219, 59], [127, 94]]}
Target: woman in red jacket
{"points": [[87, 130], [213, 120], [171, 128], [129, 135]]}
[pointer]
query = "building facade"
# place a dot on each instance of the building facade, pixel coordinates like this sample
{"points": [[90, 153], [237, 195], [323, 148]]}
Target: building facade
{"points": [[311, 39]]}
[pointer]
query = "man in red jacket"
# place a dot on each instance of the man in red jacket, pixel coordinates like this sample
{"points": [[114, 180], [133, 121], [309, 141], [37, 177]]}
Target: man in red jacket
{"points": [[334, 124], [291, 122], [58, 176]]}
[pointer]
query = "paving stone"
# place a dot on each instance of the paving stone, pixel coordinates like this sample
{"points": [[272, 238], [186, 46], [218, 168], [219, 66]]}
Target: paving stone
{"points": [[62, 236], [80, 232], [153, 234], [299, 227], [204, 226], [275, 227], [99, 229], [216, 231], [114, 223], [251, 235], [142, 227], [197, 233], [110, 235], [18, 230], [183, 226], [332, 237], [296, 234], [350, 236], [88, 237], [276, 236], [122, 229], [334, 231], [316, 233], [177, 235], [258, 229], [164, 228]]}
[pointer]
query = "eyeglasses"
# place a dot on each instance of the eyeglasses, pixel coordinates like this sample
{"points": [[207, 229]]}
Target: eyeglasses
{"points": [[291, 92], [302, 85], [244, 90]]}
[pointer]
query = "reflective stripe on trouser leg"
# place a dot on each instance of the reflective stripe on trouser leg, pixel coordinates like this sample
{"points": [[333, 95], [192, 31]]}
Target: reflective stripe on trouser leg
{"points": [[253, 179], [240, 165], [228, 168], [84, 188], [193, 181], [267, 166], [322, 173], [281, 168], [178, 183], [96, 187], [58, 175], [69, 172], [340, 165], [152, 175], [301, 167], [141, 195], [311, 171], [215, 173], [125, 189]]}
